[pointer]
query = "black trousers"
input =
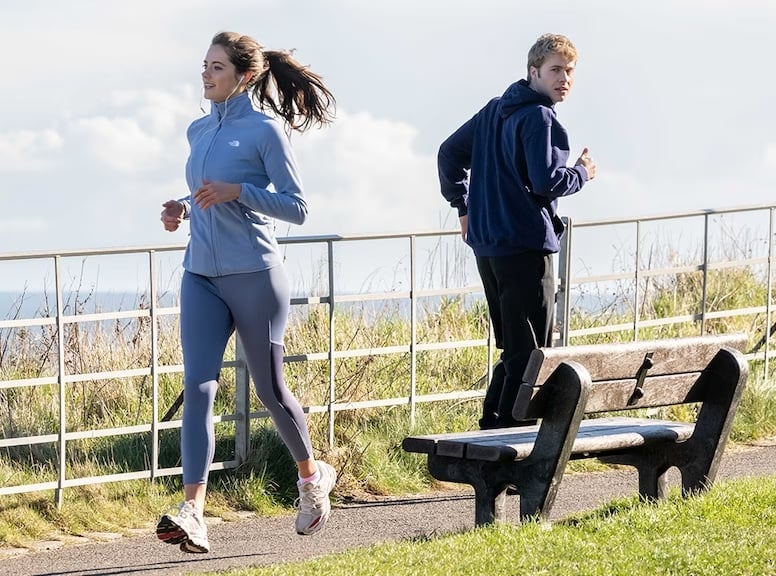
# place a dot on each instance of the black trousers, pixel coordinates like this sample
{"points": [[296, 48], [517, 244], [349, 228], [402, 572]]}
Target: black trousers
{"points": [[520, 291]]}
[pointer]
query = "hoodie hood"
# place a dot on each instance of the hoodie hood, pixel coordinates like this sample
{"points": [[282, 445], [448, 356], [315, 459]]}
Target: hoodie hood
{"points": [[518, 95]]}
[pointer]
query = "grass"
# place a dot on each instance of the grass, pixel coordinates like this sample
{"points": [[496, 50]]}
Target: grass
{"points": [[729, 530]]}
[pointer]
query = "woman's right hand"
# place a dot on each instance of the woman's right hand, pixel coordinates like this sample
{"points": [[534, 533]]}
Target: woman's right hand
{"points": [[172, 215]]}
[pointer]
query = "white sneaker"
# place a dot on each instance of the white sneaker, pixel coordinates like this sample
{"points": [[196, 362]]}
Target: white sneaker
{"points": [[313, 505], [186, 527]]}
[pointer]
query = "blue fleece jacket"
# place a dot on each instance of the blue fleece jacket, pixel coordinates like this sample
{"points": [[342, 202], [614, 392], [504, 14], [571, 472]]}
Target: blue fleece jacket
{"points": [[506, 168], [238, 144]]}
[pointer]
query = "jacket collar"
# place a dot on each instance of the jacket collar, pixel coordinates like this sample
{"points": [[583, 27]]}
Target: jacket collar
{"points": [[237, 105]]}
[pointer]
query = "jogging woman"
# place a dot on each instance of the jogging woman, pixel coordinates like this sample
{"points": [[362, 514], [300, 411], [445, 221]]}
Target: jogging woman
{"points": [[234, 277]]}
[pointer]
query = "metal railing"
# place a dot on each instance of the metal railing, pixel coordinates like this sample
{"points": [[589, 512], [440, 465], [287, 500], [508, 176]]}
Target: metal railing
{"points": [[242, 415]]}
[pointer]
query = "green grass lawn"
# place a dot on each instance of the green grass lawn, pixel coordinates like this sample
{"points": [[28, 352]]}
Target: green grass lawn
{"points": [[729, 531]]}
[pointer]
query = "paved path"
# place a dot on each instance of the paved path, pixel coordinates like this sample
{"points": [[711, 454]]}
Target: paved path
{"points": [[261, 541]]}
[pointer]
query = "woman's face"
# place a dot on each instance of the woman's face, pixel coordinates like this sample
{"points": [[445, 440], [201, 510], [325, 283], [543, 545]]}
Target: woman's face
{"points": [[219, 77]]}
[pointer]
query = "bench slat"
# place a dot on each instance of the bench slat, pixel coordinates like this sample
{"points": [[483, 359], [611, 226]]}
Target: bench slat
{"points": [[615, 361], [612, 395], [595, 435], [607, 363], [611, 434], [427, 444]]}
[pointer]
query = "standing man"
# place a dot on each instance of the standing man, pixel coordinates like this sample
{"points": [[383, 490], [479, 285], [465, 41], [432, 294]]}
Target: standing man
{"points": [[503, 171]]}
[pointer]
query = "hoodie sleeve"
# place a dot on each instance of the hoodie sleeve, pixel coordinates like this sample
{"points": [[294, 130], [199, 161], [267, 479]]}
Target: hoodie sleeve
{"points": [[287, 202], [453, 162], [546, 147], [186, 201]]}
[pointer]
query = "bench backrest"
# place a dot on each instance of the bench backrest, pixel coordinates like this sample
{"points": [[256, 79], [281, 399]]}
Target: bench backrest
{"points": [[629, 375]]}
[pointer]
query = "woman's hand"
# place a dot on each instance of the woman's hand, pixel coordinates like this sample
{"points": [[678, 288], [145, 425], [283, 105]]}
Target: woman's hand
{"points": [[172, 215], [211, 193]]}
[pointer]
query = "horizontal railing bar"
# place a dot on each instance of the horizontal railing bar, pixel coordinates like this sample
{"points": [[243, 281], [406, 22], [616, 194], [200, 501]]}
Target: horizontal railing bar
{"points": [[648, 272], [372, 296], [406, 295], [28, 322], [102, 316], [317, 239], [672, 216], [118, 477], [382, 403], [104, 432], [399, 349], [37, 255], [314, 239], [471, 289], [22, 383], [180, 247], [99, 376], [651, 323], [601, 329], [451, 345], [300, 300], [740, 312], [107, 375]]}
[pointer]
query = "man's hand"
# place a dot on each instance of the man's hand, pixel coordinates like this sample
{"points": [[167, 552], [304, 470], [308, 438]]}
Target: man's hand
{"points": [[172, 215], [464, 220], [212, 193], [587, 163]]}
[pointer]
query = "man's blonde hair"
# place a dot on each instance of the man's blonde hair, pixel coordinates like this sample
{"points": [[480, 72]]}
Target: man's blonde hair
{"points": [[548, 44]]}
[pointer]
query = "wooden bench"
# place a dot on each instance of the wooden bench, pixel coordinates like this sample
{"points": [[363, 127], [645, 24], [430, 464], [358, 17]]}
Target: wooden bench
{"points": [[561, 386]]}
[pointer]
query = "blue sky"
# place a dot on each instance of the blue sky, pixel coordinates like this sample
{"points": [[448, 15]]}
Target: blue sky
{"points": [[673, 98]]}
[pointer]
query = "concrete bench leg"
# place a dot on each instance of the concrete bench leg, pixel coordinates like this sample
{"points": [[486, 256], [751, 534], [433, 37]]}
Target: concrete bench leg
{"points": [[486, 479], [536, 485], [651, 471]]}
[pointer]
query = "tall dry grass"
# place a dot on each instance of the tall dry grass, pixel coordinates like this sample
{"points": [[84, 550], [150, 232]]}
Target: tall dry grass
{"points": [[368, 440]]}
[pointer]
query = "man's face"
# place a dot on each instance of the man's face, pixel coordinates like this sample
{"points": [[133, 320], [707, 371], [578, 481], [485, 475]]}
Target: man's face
{"points": [[554, 78]]}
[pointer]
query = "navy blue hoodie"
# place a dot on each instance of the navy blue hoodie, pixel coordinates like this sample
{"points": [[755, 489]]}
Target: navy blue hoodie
{"points": [[506, 168]]}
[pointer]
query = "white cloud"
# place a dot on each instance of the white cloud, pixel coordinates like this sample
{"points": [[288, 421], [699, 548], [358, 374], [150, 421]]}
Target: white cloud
{"points": [[9, 226], [119, 143], [27, 150], [366, 174], [769, 157], [142, 132]]}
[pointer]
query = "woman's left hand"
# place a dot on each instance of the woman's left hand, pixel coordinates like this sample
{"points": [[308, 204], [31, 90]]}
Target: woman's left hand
{"points": [[211, 193]]}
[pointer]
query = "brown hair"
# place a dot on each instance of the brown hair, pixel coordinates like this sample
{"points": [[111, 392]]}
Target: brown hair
{"points": [[279, 82], [548, 44]]}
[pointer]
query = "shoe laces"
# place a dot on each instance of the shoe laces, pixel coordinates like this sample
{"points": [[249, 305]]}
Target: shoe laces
{"points": [[310, 497], [186, 510]]}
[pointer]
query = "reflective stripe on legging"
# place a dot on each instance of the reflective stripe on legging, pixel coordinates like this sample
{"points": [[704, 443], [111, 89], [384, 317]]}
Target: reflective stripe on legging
{"points": [[256, 305]]}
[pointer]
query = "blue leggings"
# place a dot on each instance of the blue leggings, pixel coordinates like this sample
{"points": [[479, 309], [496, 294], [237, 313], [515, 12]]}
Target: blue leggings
{"points": [[256, 305]]}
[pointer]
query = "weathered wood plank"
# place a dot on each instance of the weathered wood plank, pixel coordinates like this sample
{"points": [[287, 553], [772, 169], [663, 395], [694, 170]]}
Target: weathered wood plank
{"points": [[610, 362], [419, 444], [613, 395], [615, 361], [594, 436], [610, 434], [427, 444]]}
